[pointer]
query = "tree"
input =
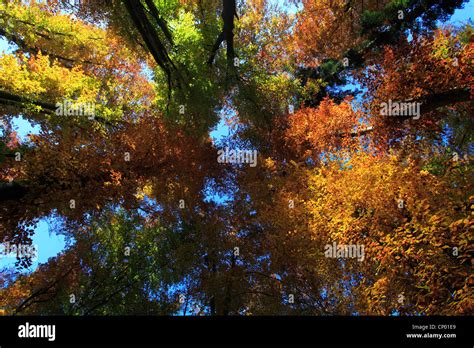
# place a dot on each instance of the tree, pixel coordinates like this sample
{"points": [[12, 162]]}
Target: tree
{"points": [[125, 95]]}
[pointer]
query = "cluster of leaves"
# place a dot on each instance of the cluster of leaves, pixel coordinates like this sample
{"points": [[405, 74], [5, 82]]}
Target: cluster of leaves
{"points": [[156, 225]]}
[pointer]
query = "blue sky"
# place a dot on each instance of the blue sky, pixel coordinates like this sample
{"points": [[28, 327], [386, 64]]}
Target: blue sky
{"points": [[50, 244]]}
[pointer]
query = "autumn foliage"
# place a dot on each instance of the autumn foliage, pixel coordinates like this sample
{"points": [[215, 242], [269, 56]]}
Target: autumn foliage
{"points": [[156, 225]]}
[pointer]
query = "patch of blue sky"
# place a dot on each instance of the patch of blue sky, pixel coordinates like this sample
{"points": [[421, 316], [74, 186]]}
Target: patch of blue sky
{"points": [[147, 71], [24, 127], [48, 243], [142, 208], [220, 132], [212, 195], [462, 15], [6, 47], [289, 6]]}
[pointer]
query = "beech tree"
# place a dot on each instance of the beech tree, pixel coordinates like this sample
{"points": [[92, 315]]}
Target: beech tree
{"points": [[361, 115]]}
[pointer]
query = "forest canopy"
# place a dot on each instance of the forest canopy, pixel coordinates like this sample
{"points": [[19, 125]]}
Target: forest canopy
{"points": [[344, 186]]}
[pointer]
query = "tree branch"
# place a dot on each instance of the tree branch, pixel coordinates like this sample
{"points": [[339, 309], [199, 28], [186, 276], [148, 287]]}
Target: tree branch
{"points": [[229, 11]]}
